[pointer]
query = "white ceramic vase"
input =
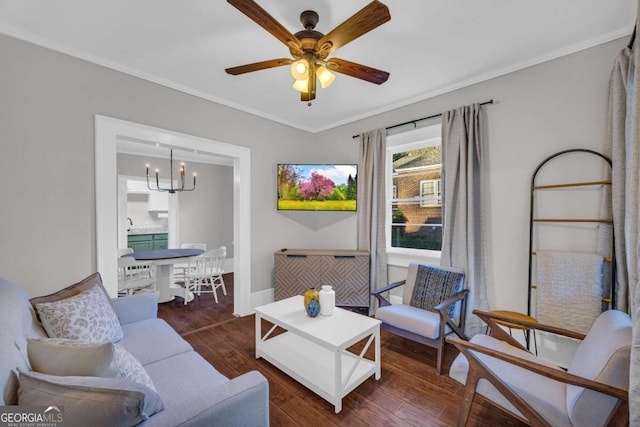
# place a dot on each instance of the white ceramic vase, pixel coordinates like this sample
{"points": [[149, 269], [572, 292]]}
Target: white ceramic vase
{"points": [[327, 300]]}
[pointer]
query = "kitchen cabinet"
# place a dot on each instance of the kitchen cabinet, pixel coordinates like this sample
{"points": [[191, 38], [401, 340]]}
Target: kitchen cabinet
{"points": [[148, 242], [135, 186], [160, 241], [158, 202]]}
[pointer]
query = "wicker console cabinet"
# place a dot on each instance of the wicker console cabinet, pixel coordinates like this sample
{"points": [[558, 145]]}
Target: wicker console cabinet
{"points": [[297, 270]]}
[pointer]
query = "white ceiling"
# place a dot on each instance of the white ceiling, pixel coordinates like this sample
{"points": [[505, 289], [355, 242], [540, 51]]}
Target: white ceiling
{"points": [[428, 47]]}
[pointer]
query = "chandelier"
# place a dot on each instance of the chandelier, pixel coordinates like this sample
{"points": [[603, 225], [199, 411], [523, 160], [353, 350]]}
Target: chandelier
{"points": [[171, 190]]}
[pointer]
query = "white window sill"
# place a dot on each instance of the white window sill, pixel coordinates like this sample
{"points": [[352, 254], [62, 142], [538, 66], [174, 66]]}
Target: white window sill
{"points": [[403, 258]]}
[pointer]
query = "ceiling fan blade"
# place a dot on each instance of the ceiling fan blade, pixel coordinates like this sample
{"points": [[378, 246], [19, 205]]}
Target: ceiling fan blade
{"points": [[268, 22], [358, 71], [369, 17], [256, 66]]}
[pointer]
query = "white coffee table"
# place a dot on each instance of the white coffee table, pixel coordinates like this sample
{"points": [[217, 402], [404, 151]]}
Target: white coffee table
{"points": [[314, 352]]}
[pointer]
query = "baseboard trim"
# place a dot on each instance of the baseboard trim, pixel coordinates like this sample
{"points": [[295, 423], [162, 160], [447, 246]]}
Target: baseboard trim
{"points": [[262, 297], [228, 265]]}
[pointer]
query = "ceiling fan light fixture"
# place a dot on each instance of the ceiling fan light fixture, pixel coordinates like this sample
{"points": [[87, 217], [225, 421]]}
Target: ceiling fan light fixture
{"points": [[310, 48], [300, 69], [325, 76], [301, 85]]}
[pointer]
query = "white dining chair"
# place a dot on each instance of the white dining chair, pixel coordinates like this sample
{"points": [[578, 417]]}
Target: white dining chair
{"points": [[124, 251], [206, 271], [202, 246], [180, 270], [135, 276]]}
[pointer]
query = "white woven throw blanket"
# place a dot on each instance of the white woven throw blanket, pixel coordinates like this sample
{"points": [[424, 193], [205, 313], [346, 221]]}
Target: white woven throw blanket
{"points": [[569, 289]]}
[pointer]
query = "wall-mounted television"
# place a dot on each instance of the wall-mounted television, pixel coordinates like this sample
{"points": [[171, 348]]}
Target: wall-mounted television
{"points": [[317, 187]]}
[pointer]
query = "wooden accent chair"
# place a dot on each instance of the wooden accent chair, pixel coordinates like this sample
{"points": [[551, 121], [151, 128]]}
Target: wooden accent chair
{"points": [[433, 306], [538, 392]]}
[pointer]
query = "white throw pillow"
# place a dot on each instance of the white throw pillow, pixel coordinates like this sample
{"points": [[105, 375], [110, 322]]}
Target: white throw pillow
{"points": [[65, 357], [130, 368], [69, 357], [87, 316]]}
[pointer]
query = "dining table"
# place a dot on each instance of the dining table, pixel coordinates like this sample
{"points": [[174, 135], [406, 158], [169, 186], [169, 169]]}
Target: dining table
{"points": [[164, 259]]}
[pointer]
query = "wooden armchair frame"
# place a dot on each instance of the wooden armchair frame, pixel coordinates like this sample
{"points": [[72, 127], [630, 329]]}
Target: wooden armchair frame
{"points": [[478, 370], [445, 319]]}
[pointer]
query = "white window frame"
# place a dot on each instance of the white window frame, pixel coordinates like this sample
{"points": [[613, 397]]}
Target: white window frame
{"points": [[427, 136], [434, 199], [394, 195]]}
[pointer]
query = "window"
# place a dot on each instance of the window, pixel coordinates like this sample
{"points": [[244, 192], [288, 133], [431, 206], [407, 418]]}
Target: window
{"points": [[414, 197], [430, 193], [394, 206]]}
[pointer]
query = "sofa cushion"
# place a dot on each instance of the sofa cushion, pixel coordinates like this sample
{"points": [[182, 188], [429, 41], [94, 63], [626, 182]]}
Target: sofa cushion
{"points": [[17, 316], [18, 320], [182, 381], [137, 307], [112, 401], [11, 360], [547, 396], [152, 340], [73, 290], [87, 316]]}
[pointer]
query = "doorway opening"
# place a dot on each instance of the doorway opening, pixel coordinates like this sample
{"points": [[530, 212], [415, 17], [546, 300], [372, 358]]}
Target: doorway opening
{"points": [[110, 134]]}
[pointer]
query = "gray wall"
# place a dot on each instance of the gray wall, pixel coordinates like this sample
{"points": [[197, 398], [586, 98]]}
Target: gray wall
{"points": [[206, 214], [538, 111], [47, 164], [46, 121]]}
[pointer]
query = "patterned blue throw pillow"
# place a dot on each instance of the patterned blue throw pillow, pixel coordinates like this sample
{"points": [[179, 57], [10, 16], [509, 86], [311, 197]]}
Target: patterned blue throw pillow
{"points": [[434, 285]]}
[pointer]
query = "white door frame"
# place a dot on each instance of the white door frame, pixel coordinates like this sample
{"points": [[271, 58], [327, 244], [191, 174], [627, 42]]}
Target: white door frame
{"points": [[107, 133]]}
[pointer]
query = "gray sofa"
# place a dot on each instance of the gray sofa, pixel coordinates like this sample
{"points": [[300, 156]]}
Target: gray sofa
{"points": [[192, 391]]}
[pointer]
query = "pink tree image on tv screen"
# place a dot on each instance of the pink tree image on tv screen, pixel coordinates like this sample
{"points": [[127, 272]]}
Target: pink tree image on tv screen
{"points": [[318, 187]]}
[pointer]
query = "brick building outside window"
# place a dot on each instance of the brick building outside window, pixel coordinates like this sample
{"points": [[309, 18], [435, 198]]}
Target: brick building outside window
{"points": [[417, 201]]}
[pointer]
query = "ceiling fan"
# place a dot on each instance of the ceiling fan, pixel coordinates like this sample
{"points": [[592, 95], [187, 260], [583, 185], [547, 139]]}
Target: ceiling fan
{"points": [[310, 48]]}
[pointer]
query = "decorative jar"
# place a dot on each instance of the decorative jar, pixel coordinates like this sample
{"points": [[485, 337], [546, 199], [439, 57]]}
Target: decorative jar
{"points": [[310, 294], [327, 300], [313, 308]]}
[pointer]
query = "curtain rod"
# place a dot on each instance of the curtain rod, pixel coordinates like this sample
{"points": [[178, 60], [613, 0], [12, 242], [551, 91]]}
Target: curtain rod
{"points": [[421, 119]]}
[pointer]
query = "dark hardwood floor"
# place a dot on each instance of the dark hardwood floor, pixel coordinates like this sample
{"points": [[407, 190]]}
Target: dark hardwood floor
{"points": [[408, 394]]}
